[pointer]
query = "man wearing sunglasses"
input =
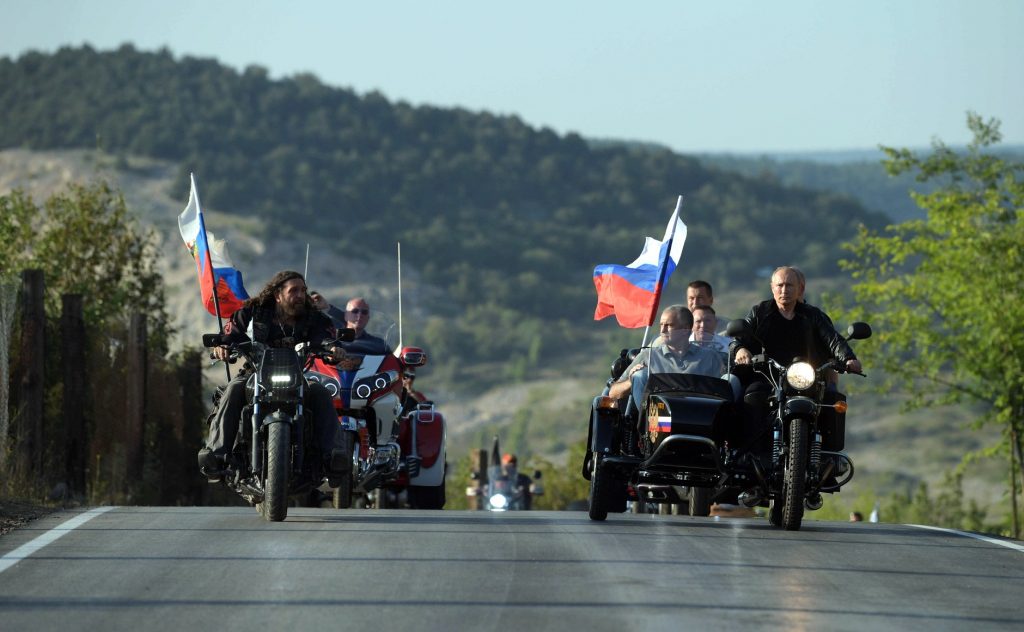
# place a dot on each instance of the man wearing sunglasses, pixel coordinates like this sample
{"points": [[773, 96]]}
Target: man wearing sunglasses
{"points": [[357, 315]]}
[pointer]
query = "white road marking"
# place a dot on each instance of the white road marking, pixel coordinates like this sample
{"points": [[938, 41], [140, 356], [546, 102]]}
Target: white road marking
{"points": [[62, 529], [1009, 545]]}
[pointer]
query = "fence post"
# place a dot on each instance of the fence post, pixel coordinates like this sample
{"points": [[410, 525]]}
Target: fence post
{"points": [[72, 343], [193, 412], [478, 466], [135, 416], [29, 429]]}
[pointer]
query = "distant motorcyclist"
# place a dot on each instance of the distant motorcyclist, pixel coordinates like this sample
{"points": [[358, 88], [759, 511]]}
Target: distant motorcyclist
{"points": [[281, 315], [519, 483]]}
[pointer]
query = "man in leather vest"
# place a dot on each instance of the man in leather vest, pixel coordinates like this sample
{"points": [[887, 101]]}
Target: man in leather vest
{"points": [[281, 315]]}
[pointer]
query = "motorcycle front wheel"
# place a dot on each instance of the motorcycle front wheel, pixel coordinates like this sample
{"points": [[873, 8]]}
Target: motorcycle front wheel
{"points": [[794, 483], [275, 500]]}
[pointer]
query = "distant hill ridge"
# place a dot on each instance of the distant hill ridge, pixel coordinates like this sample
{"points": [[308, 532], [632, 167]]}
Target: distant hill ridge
{"points": [[506, 220]]}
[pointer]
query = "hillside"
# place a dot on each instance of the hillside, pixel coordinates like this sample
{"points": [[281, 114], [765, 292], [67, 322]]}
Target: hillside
{"points": [[500, 223]]}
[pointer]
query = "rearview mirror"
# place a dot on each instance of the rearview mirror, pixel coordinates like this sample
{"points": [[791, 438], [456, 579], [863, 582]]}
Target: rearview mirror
{"points": [[213, 340], [738, 327], [858, 331], [346, 334]]}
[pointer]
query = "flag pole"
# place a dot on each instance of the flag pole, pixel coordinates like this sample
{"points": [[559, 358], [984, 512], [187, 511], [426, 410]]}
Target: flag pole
{"points": [[399, 349], [305, 270], [664, 267], [213, 277]]}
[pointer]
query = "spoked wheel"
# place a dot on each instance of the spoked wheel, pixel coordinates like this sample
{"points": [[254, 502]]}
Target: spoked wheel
{"points": [[598, 490], [700, 501], [795, 475], [275, 501]]}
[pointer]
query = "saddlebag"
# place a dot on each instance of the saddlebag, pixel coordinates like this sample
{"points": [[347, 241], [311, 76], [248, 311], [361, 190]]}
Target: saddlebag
{"points": [[832, 424]]}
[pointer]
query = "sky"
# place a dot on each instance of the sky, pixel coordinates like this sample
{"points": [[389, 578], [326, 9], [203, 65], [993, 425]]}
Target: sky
{"points": [[744, 76]]}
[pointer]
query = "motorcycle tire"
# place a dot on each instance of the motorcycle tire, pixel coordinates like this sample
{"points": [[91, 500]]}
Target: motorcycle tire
{"points": [[426, 497], [275, 500], [795, 475], [342, 494], [598, 491], [700, 501]]}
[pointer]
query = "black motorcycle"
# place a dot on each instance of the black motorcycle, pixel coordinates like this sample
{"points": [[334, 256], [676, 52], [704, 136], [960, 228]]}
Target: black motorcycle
{"points": [[276, 450], [682, 443], [807, 425]]}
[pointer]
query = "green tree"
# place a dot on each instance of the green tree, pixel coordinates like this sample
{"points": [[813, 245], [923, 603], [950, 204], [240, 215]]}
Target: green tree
{"points": [[943, 293], [86, 243]]}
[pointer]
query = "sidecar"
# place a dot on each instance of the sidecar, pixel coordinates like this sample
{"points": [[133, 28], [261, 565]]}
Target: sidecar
{"points": [[672, 449]]}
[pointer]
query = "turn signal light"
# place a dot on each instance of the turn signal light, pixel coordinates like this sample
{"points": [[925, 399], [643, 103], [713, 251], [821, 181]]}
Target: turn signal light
{"points": [[841, 406], [607, 402]]}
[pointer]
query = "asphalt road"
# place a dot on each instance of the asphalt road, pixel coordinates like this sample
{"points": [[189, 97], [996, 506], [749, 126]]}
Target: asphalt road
{"points": [[224, 568]]}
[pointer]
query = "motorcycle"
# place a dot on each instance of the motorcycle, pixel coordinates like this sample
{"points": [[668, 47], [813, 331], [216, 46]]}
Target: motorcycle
{"points": [[279, 456], [390, 451], [680, 445], [512, 491], [806, 418]]}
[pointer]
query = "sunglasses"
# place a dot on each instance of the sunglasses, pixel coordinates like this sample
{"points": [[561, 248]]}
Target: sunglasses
{"points": [[359, 310]]}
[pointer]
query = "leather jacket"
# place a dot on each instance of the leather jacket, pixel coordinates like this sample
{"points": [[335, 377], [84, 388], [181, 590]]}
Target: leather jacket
{"points": [[821, 340]]}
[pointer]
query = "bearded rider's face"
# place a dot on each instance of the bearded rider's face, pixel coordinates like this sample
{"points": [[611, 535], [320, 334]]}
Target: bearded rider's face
{"points": [[291, 298]]}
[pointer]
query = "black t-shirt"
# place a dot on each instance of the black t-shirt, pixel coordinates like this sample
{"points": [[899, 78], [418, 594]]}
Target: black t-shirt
{"points": [[788, 339]]}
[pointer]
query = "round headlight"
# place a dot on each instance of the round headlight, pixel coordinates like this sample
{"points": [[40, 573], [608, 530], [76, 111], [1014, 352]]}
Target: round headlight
{"points": [[800, 375], [499, 501]]}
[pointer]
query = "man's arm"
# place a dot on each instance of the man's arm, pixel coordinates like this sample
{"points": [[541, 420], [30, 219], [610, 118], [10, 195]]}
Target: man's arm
{"points": [[624, 384]]}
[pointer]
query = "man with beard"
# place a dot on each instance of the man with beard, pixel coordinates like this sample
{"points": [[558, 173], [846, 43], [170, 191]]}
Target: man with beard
{"points": [[281, 316]]}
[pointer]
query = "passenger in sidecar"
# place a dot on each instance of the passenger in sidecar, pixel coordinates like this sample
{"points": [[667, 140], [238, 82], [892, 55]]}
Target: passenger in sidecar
{"points": [[663, 427]]}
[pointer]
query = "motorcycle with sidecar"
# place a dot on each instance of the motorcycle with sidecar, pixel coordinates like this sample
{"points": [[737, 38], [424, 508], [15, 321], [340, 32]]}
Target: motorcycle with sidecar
{"points": [[688, 440]]}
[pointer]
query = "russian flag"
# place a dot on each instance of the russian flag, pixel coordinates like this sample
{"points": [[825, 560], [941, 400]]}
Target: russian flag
{"points": [[631, 292], [212, 261]]}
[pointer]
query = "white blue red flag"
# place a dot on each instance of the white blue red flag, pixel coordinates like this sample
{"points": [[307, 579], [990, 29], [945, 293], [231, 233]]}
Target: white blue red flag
{"points": [[631, 292], [212, 261]]}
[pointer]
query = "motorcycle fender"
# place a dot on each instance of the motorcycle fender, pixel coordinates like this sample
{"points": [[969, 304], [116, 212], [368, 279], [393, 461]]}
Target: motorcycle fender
{"points": [[602, 429], [386, 410], [276, 417], [800, 407]]}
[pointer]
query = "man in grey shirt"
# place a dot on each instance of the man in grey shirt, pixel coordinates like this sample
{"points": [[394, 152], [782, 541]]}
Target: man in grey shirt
{"points": [[672, 352]]}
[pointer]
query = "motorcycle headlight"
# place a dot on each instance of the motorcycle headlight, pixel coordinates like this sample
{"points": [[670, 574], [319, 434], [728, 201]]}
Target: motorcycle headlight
{"points": [[498, 501], [800, 375]]}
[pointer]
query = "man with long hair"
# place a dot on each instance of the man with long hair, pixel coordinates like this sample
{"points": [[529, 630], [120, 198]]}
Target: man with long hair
{"points": [[281, 315]]}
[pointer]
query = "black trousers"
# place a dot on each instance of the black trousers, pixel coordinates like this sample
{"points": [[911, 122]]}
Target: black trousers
{"points": [[224, 426]]}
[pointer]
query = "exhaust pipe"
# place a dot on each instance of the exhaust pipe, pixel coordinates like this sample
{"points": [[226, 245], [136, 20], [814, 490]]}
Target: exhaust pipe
{"points": [[813, 502], [749, 499]]}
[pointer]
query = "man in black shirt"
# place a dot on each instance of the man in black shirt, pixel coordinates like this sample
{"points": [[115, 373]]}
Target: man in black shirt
{"points": [[281, 315], [788, 328], [791, 328]]}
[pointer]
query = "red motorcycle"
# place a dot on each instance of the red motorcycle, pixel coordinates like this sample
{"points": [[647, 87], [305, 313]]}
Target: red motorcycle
{"points": [[390, 451]]}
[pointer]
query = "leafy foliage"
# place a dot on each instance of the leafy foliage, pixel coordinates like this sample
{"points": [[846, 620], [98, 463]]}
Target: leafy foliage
{"points": [[86, 243], [944, 293]]}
